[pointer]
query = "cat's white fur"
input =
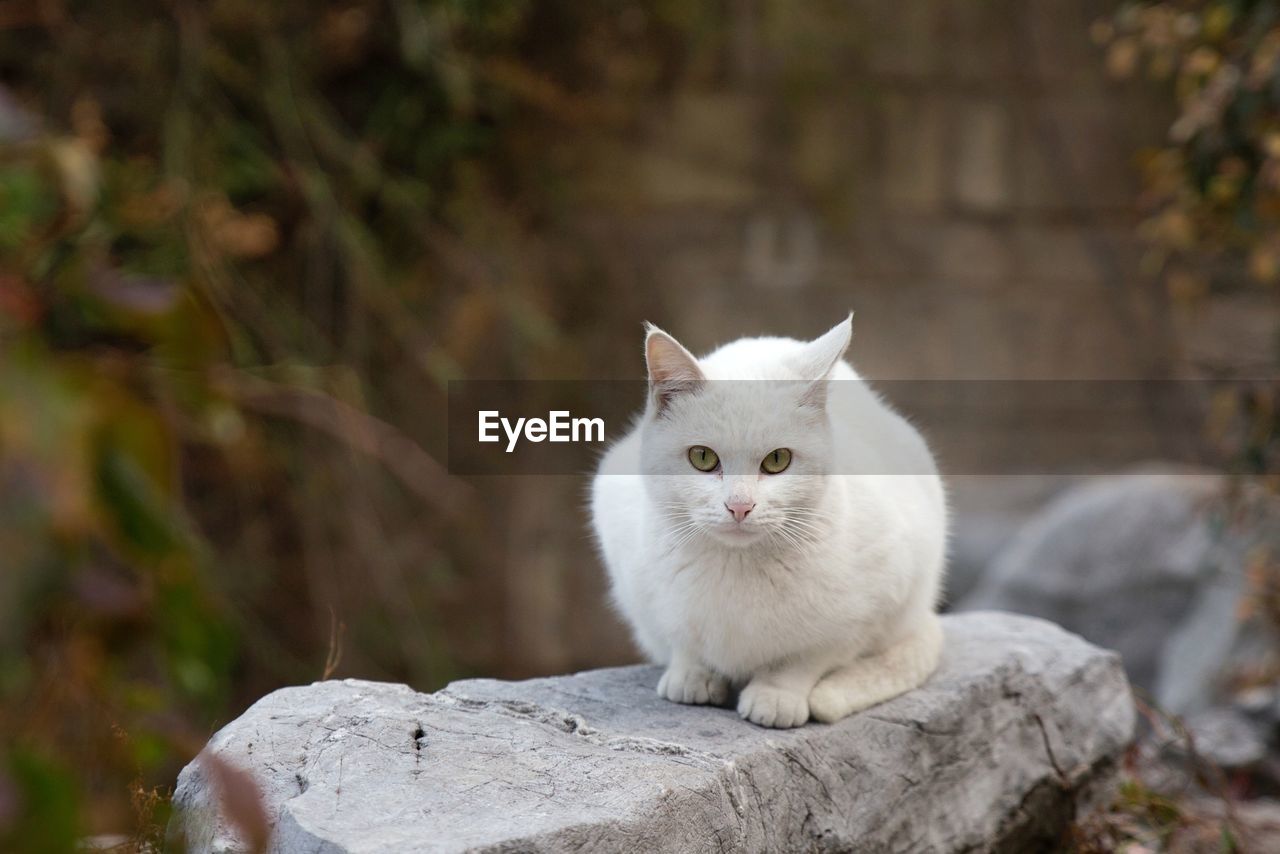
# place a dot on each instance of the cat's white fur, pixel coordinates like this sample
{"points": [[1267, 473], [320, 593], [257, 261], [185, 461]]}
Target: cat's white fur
{"points": [[821, 601]]}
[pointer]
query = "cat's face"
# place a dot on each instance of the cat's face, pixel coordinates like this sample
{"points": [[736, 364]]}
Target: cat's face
{"points": [[739, 461]]}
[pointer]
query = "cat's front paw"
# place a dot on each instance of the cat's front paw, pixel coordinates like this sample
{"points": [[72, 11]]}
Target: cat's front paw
{"points": [[694, 685], [773, 707], [829, 702]]}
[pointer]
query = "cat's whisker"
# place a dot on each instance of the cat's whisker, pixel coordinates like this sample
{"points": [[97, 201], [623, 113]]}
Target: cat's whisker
{"points": [[814, 521], [806, 514], [676, 546], [773, 537], [678, 535], [820, 524], [807, 533], [788, 537]]}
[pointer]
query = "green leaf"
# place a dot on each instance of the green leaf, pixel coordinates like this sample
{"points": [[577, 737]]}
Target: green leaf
{"points": [[135, 505], [47, 819]]}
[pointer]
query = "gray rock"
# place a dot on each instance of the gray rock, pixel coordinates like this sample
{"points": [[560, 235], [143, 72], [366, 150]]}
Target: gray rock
{"points": [[1018, 731], [1150, 565], [987, 512], [1226, 738]]}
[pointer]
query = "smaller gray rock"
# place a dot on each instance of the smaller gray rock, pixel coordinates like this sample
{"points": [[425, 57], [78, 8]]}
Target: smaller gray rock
{"points": [[1226, 738], [1152, 565], [987, 512]]}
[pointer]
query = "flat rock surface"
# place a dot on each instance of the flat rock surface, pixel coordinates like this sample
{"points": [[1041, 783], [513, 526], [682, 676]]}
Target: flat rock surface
{"points": [[1018, 730]]}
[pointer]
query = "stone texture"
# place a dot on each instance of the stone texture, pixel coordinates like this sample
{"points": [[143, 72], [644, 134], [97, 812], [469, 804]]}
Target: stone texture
{"points": [[1066, 256], [1231, 334], [1065, 157], [1055, 46], [913, 178], [980, 41], [974, 255], [905, 37], [1227, 738], [987, 512], [981, 176], [1016, 733]]}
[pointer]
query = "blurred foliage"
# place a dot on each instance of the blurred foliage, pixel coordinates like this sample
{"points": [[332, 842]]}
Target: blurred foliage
{"points": [[1171, 798], [242, 247], [1212, 193], [1211, 199]]}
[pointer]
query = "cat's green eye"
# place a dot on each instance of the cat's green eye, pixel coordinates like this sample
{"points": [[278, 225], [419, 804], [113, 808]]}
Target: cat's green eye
{"points": [[776, 461], [703, 458]]}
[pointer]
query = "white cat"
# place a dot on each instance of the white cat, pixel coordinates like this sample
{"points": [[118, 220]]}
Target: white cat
{"points": [[748, 548]]}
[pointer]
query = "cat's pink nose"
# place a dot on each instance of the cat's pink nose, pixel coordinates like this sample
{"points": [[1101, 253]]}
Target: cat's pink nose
{"points": [[740, 509]]}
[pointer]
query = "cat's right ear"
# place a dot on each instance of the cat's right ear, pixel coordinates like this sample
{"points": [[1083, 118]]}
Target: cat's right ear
{"points": [[673, 370], [819, 361]]}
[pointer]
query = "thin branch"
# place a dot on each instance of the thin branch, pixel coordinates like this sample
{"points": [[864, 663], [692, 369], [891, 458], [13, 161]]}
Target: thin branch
{"points": [[402, 457], [337, 632]]}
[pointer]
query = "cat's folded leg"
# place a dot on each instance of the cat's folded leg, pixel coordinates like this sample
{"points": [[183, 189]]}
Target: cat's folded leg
{"points": [[883, 676], [779, 696], [688, 681]]}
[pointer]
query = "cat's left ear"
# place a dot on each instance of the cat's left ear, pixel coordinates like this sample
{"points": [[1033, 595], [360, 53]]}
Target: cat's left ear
{"points": [[673, 370], [818, 361]]}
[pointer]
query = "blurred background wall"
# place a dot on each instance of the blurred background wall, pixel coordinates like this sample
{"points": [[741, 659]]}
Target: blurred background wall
{"points": [[963, 175], [246, 245]]}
